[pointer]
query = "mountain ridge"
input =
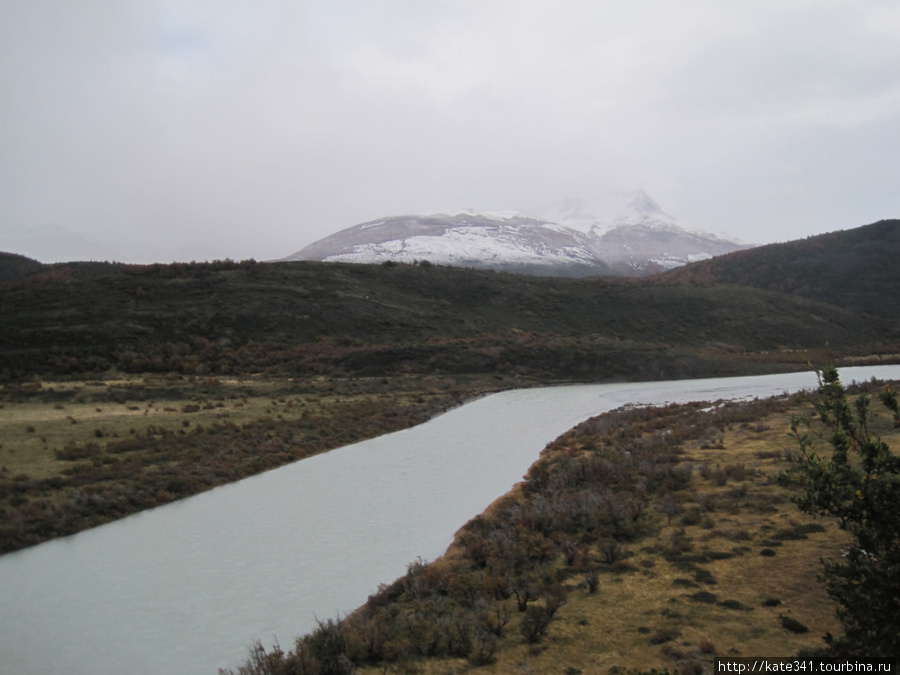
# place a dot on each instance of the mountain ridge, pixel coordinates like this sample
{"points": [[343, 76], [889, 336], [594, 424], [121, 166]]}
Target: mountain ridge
{"points": [[565, 239]]}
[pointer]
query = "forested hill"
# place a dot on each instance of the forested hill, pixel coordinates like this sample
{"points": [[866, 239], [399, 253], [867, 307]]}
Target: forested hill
{"points": [[856, 269], [308, 319], [14, 267]]}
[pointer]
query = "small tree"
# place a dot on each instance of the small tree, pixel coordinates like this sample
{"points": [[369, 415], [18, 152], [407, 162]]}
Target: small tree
{"points": [[856, 480]]}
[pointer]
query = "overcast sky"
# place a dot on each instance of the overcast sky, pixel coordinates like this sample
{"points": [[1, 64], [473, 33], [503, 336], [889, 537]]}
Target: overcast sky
{"points": [[198, 129]]}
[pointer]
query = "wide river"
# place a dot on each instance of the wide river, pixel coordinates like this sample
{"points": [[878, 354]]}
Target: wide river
{"points": [[187, 587]]}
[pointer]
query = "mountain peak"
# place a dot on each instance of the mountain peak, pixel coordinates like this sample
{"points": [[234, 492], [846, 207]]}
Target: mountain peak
{"points": [[644, 204], [606, 211], [619, 233]]}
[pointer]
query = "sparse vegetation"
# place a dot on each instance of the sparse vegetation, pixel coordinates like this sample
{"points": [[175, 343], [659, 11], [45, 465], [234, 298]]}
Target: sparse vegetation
{"points": [[856, 480], [512, 591]]}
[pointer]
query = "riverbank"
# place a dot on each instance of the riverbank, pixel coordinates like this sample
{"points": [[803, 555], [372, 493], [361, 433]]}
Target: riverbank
{"points": [[643, 538], [76, 455]]}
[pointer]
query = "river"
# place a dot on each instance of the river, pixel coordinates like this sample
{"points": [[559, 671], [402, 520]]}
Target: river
{"points": [[187, 587]]}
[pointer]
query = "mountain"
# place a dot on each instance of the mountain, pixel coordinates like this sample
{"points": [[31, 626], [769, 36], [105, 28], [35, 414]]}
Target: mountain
{"points": [[855, 268], [571, 238], [508, 241]]}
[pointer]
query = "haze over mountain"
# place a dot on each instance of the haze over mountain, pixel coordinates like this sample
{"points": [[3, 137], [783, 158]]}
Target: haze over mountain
{"points": [[622, 233]]}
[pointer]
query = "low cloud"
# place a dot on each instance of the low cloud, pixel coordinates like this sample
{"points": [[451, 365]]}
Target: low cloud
{"points": [[211, 129]]}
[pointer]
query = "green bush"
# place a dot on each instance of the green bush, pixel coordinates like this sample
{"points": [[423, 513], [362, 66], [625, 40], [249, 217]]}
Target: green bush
{"points": [[856, 480]]}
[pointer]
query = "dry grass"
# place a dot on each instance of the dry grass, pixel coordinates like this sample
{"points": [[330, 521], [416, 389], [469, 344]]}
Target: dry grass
{"points": [[33, 429]]}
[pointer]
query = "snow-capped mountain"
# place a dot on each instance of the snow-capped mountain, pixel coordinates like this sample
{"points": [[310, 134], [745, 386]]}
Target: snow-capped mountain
{"points": [[630, 236]]}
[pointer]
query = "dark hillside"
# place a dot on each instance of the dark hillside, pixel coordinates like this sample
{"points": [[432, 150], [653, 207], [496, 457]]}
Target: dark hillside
{"points": [[14, 267], [307, 318], [857, 269]]}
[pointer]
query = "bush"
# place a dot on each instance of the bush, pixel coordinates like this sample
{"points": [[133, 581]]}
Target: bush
{"points": [[534, 624], [857, 481], [792, 625], [592, 579], [328, 646], [663, 635], [704, 596]]}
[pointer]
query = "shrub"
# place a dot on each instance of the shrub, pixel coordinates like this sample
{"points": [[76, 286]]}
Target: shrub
{"points": [[706, 647], [692, 517], [663, 635], [535, 623], [611, 551], [792, 625], [554, 598], [485, 646], [328, 646], [704, 596], [592, 579], [856, 480]]}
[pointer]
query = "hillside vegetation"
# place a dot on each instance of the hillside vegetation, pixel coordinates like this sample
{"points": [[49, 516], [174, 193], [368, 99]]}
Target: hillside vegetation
{"points": [[856, 269], [306, 319]]}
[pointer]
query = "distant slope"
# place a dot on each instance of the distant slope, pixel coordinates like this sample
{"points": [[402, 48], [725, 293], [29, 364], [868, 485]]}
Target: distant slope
{"points": [[14, 267], [307, 319], [858, 269]]}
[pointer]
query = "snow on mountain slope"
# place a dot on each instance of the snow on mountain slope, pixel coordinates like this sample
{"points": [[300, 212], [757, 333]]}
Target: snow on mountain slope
{"points": [[571, 238]]}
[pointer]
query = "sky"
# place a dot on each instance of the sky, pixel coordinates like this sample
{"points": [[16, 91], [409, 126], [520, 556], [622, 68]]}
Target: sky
{"points": [[159, 130]]}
